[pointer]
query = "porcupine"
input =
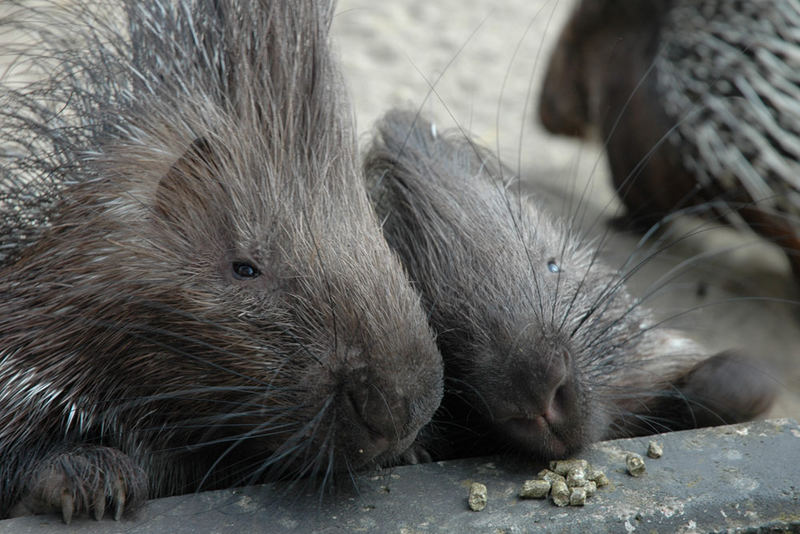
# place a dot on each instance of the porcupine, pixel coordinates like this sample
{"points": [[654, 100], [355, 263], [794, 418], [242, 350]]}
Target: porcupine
{"points": [[696, 102], [195, 290], [544, 349]]}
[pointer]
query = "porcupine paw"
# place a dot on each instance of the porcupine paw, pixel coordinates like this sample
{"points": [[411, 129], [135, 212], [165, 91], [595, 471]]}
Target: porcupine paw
{"points": [[415, 454], [724, 389], [83, 480]]}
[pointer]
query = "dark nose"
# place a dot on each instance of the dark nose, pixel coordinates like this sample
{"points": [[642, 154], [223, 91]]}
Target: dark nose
{"points": [[545, 385], [374, 416]]}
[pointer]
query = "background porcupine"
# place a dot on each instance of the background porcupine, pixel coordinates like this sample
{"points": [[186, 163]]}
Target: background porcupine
{"points": [[544, 348], [696, 102], [194, 290]]}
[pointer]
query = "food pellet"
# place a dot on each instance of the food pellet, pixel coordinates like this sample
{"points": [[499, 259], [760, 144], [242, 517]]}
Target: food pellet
{"points": [[559, 492], [576, 477], [654, 450], [535, 489], [477, 497], [579, 482], [577, 497], [546, 474], [635, 464], [562, 467], [598, 477]]}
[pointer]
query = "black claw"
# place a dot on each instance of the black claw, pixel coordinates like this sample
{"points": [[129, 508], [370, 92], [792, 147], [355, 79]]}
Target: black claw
{"points": [[423, 456]]}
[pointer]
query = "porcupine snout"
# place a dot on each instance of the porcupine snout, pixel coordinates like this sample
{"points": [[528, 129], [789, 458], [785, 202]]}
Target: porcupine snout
{"points": [[543, 398], [376, 415], [547, 386]]}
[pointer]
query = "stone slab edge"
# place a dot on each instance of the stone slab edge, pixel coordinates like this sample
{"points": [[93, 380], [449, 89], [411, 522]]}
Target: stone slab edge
{"points": [[740, 478]]}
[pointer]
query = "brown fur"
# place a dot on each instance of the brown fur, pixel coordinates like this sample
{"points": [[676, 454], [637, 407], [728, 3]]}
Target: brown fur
{"points": [[195, 291]]}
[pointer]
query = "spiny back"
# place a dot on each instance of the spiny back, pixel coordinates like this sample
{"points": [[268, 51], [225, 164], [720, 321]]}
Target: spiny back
{"points": [[118, 99], [728, 73]]}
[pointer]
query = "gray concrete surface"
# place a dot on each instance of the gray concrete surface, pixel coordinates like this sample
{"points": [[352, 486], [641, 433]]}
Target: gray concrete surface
{"points": [[743, 478]]}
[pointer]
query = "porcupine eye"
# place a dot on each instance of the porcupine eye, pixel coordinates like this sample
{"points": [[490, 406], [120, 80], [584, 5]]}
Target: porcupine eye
{"points": [[243, 270], [553, 267]]}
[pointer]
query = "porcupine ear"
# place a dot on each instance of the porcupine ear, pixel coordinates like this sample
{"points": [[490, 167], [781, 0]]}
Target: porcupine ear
{"points": [[405, 144], [400, 146], [182, 193], [408, 150]]}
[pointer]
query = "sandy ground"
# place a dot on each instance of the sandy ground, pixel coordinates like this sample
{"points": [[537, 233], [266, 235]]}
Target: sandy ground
{"points": [[478, 64]]}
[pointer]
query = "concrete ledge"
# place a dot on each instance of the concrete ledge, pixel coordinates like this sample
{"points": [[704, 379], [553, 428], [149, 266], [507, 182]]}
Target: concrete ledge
{"points": [[742, 478]]}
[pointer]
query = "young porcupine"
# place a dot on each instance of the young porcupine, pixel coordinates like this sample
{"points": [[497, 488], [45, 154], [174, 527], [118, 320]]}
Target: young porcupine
{"points": [[544, 349], [194, 290], [696, 102]]}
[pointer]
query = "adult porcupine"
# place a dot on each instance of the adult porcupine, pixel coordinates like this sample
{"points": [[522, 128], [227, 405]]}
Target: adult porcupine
{"points": [[544, 348], [696, 100], [194, 292]]}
